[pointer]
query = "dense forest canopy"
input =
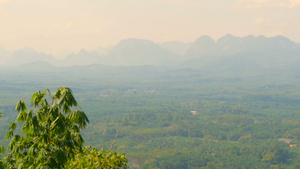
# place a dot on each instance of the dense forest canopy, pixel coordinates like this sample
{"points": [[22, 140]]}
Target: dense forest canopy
{"points": [[175, 118]]}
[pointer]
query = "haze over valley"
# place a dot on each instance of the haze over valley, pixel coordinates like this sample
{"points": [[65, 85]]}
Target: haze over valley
{"points": [[168, 84]]}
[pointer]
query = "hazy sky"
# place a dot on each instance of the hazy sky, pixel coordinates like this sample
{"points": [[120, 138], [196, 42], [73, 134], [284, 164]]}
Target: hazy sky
{"points": [[54, 26]]}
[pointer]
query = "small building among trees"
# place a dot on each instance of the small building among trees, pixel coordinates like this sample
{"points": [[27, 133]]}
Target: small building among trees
{"points": [[289, 141], [194, 112]]}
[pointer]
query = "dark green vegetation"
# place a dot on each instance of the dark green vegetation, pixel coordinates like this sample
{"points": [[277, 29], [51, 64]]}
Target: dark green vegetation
{"points": [[50, 136], [237, 125]]}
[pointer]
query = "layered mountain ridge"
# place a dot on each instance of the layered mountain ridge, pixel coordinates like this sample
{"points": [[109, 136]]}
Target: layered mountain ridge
{"points": [[228, 53]]}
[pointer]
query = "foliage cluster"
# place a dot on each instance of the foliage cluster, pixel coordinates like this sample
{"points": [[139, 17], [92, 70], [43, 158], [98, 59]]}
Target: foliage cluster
{"points": [[50, 136]]}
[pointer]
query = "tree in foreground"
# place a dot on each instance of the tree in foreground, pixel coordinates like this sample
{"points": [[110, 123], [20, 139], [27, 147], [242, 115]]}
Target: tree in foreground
{"points": [[50, 135], [92, 158]]}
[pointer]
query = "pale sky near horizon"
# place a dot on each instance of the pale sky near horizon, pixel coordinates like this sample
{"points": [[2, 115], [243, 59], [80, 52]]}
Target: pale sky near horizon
{"points": [[55, 26]]}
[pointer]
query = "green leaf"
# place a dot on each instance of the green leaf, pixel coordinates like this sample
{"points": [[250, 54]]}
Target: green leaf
{"points": [[20, 107], [12, 126], [9, 134], [54, 123]]}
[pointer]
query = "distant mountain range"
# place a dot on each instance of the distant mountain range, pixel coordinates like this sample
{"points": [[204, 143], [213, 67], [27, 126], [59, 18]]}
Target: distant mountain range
{"points": [[229, 53]]}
